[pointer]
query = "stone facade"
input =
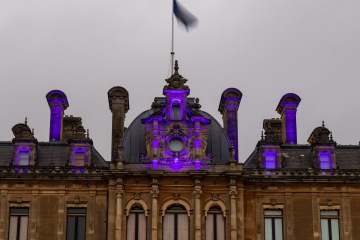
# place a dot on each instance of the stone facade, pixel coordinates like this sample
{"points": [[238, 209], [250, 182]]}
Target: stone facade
{"points": [[174, 171]]}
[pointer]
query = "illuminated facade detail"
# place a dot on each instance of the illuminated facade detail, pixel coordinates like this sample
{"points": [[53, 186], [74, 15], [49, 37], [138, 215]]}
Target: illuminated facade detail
{"points": [[325, 160], [24, 145], [270, 158], [287, 108], [58, 102], [228, 107], [176, 133]]}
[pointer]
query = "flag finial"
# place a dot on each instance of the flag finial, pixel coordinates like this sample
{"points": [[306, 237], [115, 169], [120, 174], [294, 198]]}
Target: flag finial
{"points": [[176, 68]]}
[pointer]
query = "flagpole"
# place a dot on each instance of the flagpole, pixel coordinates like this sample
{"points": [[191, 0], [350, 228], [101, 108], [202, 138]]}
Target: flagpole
{"points": [[172, 39]]}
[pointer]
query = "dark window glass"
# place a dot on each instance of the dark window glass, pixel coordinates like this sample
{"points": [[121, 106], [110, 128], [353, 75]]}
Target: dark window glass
{"points": [[176, 223], [215, 224], [136, 224], [76, 224]]}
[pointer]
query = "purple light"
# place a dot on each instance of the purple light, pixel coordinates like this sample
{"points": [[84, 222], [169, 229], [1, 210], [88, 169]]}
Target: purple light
{"points": [[325, 159], [155, 163], [270, 158], [197, 164], [55, 122], [197, 143], [290, 118]]}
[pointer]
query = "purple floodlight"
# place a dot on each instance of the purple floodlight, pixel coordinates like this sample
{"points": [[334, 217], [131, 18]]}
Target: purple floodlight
{"points": [[270, 158], [325, 159], [58, 102]]}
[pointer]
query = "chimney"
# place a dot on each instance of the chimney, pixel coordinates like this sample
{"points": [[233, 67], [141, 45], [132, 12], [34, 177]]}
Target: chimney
{"points": [[119, 105], [287, 108], [58, 102], [228, 107]]}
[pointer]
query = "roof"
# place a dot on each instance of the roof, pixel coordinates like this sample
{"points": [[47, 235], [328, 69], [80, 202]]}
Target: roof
{"points": [[49, 154], [299, 156]]}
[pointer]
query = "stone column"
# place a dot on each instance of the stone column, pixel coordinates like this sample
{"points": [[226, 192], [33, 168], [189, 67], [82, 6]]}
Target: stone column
{"points": [[119, 105], [3, 216], [119, 212], [111, 210], [61, 215], [288, 216], [315, 215], [197, 196], [240, 212], [232, 195], [345, 217], [154, 209]]}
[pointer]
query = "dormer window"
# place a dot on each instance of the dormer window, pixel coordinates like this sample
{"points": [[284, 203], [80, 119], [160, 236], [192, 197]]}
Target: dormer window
{"points": [[270, 158], [325, 160]]}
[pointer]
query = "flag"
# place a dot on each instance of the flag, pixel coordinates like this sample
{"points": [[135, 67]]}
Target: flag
{"points": [[184, 16]]}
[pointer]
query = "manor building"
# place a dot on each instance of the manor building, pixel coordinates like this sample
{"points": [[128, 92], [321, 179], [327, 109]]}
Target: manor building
{"points": [[174, 174]]}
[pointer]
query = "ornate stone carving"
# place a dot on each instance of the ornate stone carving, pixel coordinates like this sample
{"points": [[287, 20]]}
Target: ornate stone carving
{"points": [[137, 195], [258, 228], [19, 199], [176, 196], [233, 193], [119, 193], [197, 193], [155, 193], [77, 199], [215, 196]]}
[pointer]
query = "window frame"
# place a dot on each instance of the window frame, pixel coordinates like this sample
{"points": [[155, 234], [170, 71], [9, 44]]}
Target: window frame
{"points": [[176, 210], [136, 210], [273, 217], [330, 226], [19, 213], [213, 213], [77, 213]]}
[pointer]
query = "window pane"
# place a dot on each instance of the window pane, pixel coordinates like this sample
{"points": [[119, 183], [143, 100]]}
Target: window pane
{"points": [[210, 227], [81, 231], [24, 158], [168, 227], [329, 213], [272, 212], [183, 227], [335, 229], [130, 229], [176, 111], [268, 229], [70, 235], [324, 229], [24, 221], [325, 160], [142, 226], [79, 159], [220, 227], [13, 227], [278, 229]]}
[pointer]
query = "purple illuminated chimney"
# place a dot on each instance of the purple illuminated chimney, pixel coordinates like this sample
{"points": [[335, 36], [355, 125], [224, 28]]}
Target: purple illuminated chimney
{"points": [[119, 105], [58, 102], [287, 108], [228, 107]]}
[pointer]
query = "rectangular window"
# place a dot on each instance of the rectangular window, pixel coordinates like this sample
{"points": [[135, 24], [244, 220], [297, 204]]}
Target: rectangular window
{"points": [[18, 225], [273, 224], [24, 158], [215, 224], [76, 224], [330, 225], [325, 160], [270, 158]]}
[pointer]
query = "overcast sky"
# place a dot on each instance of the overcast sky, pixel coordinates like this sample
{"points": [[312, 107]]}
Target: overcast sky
{"points": [[265, 48]]}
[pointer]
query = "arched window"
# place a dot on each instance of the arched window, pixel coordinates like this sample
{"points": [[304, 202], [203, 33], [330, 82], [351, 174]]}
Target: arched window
{"points": [[176, 110], [176, 223], [136, 224], [215, 224]]}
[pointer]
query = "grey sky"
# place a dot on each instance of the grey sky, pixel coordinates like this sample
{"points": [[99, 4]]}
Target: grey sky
{"points": [[265, 48]]}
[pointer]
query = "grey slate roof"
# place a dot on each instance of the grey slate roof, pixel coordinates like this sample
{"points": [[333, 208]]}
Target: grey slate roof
{"points": [[299, 156], [48, 154]]}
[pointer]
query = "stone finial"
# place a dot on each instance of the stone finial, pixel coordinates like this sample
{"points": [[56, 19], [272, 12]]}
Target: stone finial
{"points": [[176, 81]]}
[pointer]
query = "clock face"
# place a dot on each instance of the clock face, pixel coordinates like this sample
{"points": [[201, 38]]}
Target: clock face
{"points": [[176, 144]]}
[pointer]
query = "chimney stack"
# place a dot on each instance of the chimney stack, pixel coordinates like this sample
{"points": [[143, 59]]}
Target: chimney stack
{"points": [[58, 102], [119, 105], [228, 107], [287, 108]]}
